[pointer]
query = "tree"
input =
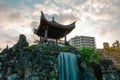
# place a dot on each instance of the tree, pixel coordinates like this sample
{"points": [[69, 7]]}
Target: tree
{"points": [[115, 48], [90, 56], [114, 52]]}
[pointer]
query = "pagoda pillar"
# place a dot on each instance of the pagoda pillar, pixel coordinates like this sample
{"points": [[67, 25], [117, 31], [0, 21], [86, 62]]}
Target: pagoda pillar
{"points": [[65, 39], [46, 34]]}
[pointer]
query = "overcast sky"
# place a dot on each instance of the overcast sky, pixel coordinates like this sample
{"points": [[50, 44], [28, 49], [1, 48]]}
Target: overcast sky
{"points": [[96, 18]]}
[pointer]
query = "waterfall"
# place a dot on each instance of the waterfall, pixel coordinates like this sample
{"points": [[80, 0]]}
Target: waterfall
{"points": [[67, 66]]}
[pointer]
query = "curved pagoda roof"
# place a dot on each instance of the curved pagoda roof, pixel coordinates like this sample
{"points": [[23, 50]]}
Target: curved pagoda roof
{"points": [[55, 30]]}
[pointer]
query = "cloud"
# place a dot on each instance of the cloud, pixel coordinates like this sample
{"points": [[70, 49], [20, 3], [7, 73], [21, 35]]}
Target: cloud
{"points": [[5, 8], [16, 17], [60, 14], [70, 2], [5, 38], [34, 24], [12, 24], [97, 18], [65, 18]]}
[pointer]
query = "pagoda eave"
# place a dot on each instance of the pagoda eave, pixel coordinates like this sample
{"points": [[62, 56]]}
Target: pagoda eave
{"points": [[54, 29]]}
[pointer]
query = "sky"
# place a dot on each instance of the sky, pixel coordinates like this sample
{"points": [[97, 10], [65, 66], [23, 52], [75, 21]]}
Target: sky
{"points": [[95, 18]]}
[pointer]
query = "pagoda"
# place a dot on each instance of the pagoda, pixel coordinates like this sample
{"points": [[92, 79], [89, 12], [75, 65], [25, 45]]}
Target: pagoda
{"points": [[52, 29]]}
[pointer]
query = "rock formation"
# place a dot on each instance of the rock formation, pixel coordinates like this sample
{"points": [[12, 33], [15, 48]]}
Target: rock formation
{"points": [[37, 62]]}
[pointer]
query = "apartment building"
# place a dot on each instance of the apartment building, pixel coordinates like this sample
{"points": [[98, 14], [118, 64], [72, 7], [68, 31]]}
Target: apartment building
{"points": [[82, 41]]}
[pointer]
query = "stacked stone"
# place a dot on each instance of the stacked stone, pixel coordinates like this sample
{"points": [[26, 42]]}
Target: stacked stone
{"points": [[25, 63], [1, 69], [10, 56], [109, 72], [37, 62]]}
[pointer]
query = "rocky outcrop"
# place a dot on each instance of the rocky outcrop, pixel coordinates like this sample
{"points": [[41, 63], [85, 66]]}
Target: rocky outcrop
{"points": [[108, 70], [35, 62], [38, 62], [10, 56]]}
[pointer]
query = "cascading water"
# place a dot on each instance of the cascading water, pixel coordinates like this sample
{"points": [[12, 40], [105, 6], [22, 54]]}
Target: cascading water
{"points": [[68, 67]]}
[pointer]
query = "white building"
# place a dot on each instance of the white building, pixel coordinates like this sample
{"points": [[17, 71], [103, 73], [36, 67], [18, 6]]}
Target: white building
{"points": [[82, 41]]}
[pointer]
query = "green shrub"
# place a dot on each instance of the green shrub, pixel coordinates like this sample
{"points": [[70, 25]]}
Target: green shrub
{"points": [[31, 47], [90, 56]]}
